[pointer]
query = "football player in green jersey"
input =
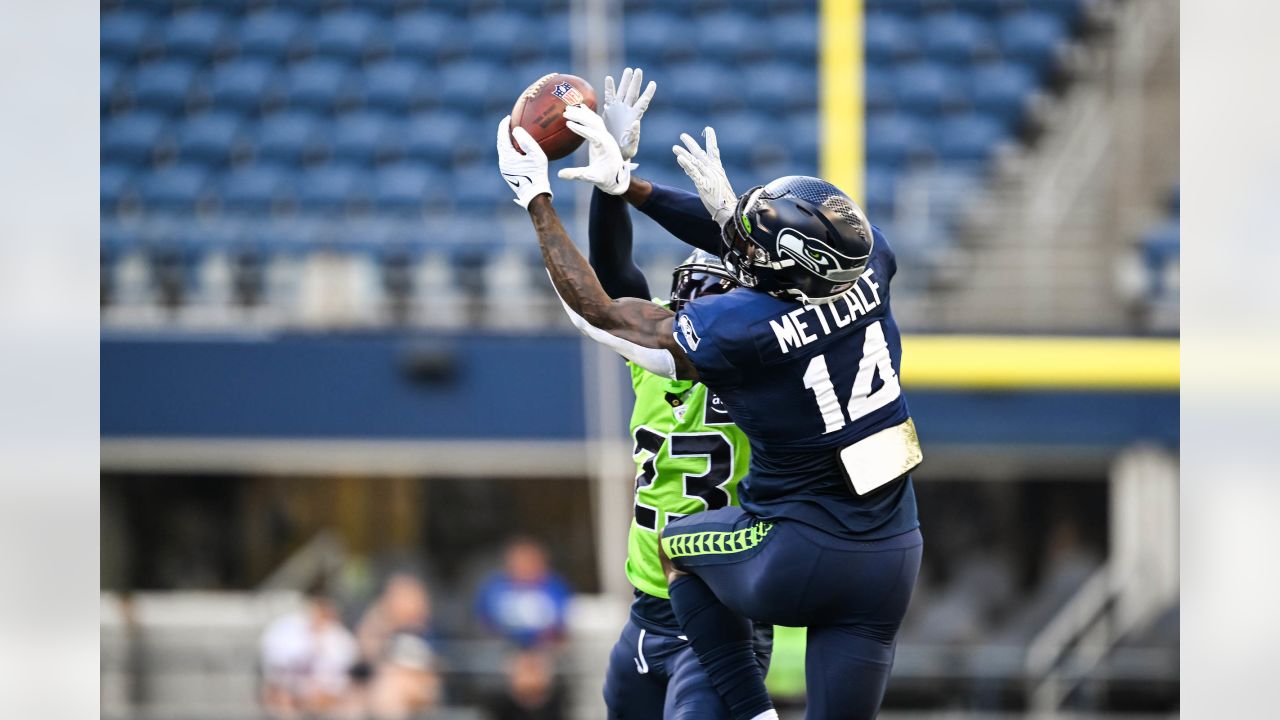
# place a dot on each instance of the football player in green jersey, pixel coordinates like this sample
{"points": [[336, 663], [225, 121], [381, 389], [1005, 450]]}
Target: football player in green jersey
{"points": [[689, 455]]}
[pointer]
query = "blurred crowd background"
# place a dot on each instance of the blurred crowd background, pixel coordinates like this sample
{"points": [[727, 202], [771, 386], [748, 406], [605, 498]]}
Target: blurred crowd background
{"points": [[357, 464]]}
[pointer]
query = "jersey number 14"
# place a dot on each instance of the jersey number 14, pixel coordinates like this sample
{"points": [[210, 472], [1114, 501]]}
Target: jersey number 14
{"points": [[875, 357]]}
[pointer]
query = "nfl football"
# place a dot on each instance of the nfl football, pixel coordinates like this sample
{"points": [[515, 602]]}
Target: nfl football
{"points": [[540, 111]]}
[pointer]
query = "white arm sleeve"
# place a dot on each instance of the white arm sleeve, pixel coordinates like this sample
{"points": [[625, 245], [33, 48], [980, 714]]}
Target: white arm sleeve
{"points": [[655, 360]]}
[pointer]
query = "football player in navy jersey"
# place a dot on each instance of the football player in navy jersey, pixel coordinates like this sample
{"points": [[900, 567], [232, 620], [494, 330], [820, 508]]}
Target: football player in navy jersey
{"points": [[805, 355]]}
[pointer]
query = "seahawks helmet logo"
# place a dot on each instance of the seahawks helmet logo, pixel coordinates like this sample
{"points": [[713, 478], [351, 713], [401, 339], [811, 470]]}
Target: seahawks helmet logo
{"points": [[818, 257]]}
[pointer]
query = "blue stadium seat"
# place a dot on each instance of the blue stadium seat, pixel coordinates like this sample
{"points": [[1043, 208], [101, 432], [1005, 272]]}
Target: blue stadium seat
{"points": [[467, 85], [662, 128], [879, 194], [285, 137], [1161, 249], [513, 79], [332, 188], [783, 7], [928, 87], [896, 140], [802, 136], [435, 137], [911, 8], [698, 87], [268, 33], [318, 84], [1002, 89], [163, 85], [360, 137], [479, 188], [117, 239], [1164, 237], [389, 7], [124, 34], [1068, 11], [741, 134], [175, 188], [956, 37], [795, 36], [240, 84], [114, 183], [968, 139], [462, 7], [394, 84], [880, 93], [949, 189], [427, 34], [406, 187], [254, 188], [729, 36], [654, 37], [655, 158], [673, 6], [743, 171], [347, 33], [208, 138], [557, 37], [131, 138], [780, 86], [194, 34], [987, 9], [504, 36], [772, 157], [109, 73], [888, 37], [1032, 38]]}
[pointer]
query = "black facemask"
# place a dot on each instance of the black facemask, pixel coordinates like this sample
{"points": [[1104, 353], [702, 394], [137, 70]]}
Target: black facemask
{"points": [[692, 283]]}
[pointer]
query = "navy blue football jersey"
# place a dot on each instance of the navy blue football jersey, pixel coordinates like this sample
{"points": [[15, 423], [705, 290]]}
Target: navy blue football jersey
{"points": [[803, 382]]}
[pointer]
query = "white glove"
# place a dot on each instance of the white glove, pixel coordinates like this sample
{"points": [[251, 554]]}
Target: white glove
{"points": [[605, 167], [525, 173], [623, 109], [704, 169]]}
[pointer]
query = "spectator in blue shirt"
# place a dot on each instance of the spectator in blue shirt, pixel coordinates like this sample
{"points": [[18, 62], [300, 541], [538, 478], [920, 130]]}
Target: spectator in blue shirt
{"points": [[526, 602]]}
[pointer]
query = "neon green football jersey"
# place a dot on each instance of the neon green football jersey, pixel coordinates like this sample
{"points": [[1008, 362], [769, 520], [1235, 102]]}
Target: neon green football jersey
{"points": [[689, 457]]}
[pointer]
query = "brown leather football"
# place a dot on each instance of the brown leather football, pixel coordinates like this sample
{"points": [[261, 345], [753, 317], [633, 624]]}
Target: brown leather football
{"points": [[540, 111]]}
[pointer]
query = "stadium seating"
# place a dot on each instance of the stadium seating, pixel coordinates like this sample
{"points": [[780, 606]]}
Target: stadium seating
{"points": [[1160, 251], [248, 112], [197, 34], [208, 138]]}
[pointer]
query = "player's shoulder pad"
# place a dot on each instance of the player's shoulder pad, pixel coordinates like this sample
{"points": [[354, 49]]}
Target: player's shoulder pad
{"points": [[882, 248], [696, 330], [710, 328]]}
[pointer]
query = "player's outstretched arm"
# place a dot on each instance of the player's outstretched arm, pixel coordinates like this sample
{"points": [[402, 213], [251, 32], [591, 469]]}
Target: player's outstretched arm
{"points": [[609, 227], [610, 241], [693, 218], [707, 173], [639, 330], [679, 212]]}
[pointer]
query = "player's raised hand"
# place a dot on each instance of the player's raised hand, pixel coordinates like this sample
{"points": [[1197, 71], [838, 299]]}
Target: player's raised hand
{"points": [[704, 169], [526, 173], [624, 106], [605, 167]]}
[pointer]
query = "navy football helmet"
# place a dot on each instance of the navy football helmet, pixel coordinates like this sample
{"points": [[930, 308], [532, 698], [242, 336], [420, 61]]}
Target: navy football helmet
{"points": [[700, 274], [797, 237]]}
